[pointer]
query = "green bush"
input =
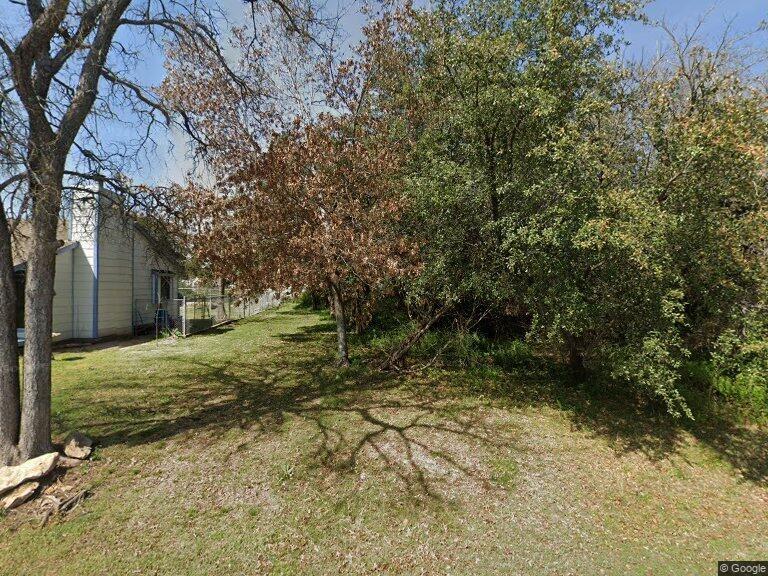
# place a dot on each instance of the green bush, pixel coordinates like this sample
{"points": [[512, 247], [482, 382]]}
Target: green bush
{"points": [[461, 349], [617, 211], [312, 300], [740, 365]]}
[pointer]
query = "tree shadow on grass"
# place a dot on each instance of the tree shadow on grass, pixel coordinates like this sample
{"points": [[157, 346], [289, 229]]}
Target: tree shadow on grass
{"points": [[357, 416], [630, 424], [422, 433], [216, 330], [309, 333]]}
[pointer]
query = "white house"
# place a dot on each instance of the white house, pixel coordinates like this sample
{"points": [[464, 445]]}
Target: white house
{"points": [[112, 274]]}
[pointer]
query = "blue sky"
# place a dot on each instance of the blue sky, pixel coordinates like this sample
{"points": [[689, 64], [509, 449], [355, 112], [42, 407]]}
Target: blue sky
{"points": [[743, 15]]}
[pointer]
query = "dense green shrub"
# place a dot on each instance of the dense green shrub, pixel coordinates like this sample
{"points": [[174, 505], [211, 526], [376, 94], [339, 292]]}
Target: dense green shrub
{"points": [[620, 210], [312, 300], [740, 364]]}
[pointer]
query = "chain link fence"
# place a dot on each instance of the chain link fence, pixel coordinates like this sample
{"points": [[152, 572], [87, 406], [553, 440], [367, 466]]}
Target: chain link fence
{"points": [[197, 312]]}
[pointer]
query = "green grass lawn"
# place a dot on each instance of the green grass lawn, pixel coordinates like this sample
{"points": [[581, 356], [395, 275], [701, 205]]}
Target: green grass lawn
{"points": [[244, 451]]}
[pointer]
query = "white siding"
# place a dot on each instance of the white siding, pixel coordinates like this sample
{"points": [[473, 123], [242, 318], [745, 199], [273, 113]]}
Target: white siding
{"points": [[120, 264], [62, 299], [145, 261], [83, 226], [115, 299]]}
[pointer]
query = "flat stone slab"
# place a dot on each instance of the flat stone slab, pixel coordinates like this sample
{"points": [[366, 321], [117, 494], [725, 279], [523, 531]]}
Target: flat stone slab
{"points": [[18, 495], [32, 469]]}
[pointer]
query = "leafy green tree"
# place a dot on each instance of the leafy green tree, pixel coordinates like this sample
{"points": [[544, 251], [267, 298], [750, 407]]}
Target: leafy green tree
{"points": [[490, 85], [620, 210]]}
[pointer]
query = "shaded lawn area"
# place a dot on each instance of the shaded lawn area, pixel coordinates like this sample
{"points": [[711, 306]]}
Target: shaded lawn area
{"points": [[244, 451]]}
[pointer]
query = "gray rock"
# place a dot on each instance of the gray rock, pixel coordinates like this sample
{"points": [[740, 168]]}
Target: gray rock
{"points": [[67, 462], [78, 445], [12, 476], [19, 495]]}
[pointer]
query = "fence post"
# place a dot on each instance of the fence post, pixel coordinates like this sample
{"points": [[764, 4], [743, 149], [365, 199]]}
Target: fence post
{"points": [[183, 316]]}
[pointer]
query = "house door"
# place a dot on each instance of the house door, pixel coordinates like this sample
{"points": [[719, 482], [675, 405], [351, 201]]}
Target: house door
{"points": [[162, 286]]}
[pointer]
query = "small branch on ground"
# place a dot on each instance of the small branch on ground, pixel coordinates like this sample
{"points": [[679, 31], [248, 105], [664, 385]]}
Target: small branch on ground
{"points": [[63, 506]]}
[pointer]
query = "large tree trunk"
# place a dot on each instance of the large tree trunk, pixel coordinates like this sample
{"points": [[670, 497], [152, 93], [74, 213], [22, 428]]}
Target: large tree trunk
{"points": [[35, 437], [10, 407], [341, 323]]}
